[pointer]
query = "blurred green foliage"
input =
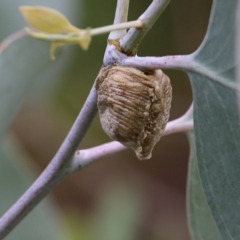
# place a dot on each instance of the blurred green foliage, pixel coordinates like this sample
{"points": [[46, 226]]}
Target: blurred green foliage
{"points": [[15, 178]]}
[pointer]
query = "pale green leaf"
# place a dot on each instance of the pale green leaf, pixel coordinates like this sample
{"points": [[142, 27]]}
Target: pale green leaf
{"points": [[237, 47], [200, 220], [216, 119]]}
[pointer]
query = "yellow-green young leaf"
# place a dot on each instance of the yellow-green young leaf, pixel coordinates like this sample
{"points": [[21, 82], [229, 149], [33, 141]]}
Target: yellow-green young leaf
{"points": [[47, 20]]}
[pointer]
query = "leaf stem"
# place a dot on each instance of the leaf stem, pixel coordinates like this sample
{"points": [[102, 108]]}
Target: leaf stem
{"points": [[76, 36], [130, 42], [119, 26], [57, 169]]}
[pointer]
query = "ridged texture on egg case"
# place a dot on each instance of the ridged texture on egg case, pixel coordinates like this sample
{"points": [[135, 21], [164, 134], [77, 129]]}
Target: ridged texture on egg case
{"points": [[134, 106]]}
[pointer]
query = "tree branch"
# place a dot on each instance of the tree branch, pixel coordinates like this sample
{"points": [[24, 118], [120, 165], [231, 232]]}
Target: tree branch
{"points": [[130, 42], [57, 169]]}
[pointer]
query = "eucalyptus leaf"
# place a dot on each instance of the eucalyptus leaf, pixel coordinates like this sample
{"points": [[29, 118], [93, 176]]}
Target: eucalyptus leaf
{"points": [[216, 119], [202, 225], [237, 50], [15, 178]]}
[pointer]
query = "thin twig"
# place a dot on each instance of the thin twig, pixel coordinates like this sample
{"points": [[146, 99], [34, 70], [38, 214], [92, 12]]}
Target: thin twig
{"points": [[75, 37], [57, 169], [121, 16], [112, 55], [10, 39], [83, 158], [130, 42], [176, 127], [166, 62], [118, 28]]}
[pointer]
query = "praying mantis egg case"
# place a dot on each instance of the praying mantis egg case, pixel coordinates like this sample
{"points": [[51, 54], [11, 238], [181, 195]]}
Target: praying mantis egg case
{"points": [[134, 106]]}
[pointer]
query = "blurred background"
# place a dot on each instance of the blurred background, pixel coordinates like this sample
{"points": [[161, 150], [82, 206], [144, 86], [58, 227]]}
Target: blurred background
{"points": [[118, 197]]}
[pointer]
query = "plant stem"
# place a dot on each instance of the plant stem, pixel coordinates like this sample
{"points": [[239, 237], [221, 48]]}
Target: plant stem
{"points": [[121, 16], [166, 62], [130, 42], [57, 169], [119, 26], [176, 126], [75, 37], [11, 38], [181, 62], [83, 158]]}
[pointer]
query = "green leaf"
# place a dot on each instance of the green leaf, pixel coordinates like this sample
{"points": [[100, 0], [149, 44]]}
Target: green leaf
{"points": [[11, 20], [216, 119], [216, 52], [237, 52], [14, 180], [23, 63], [202, 225]]}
